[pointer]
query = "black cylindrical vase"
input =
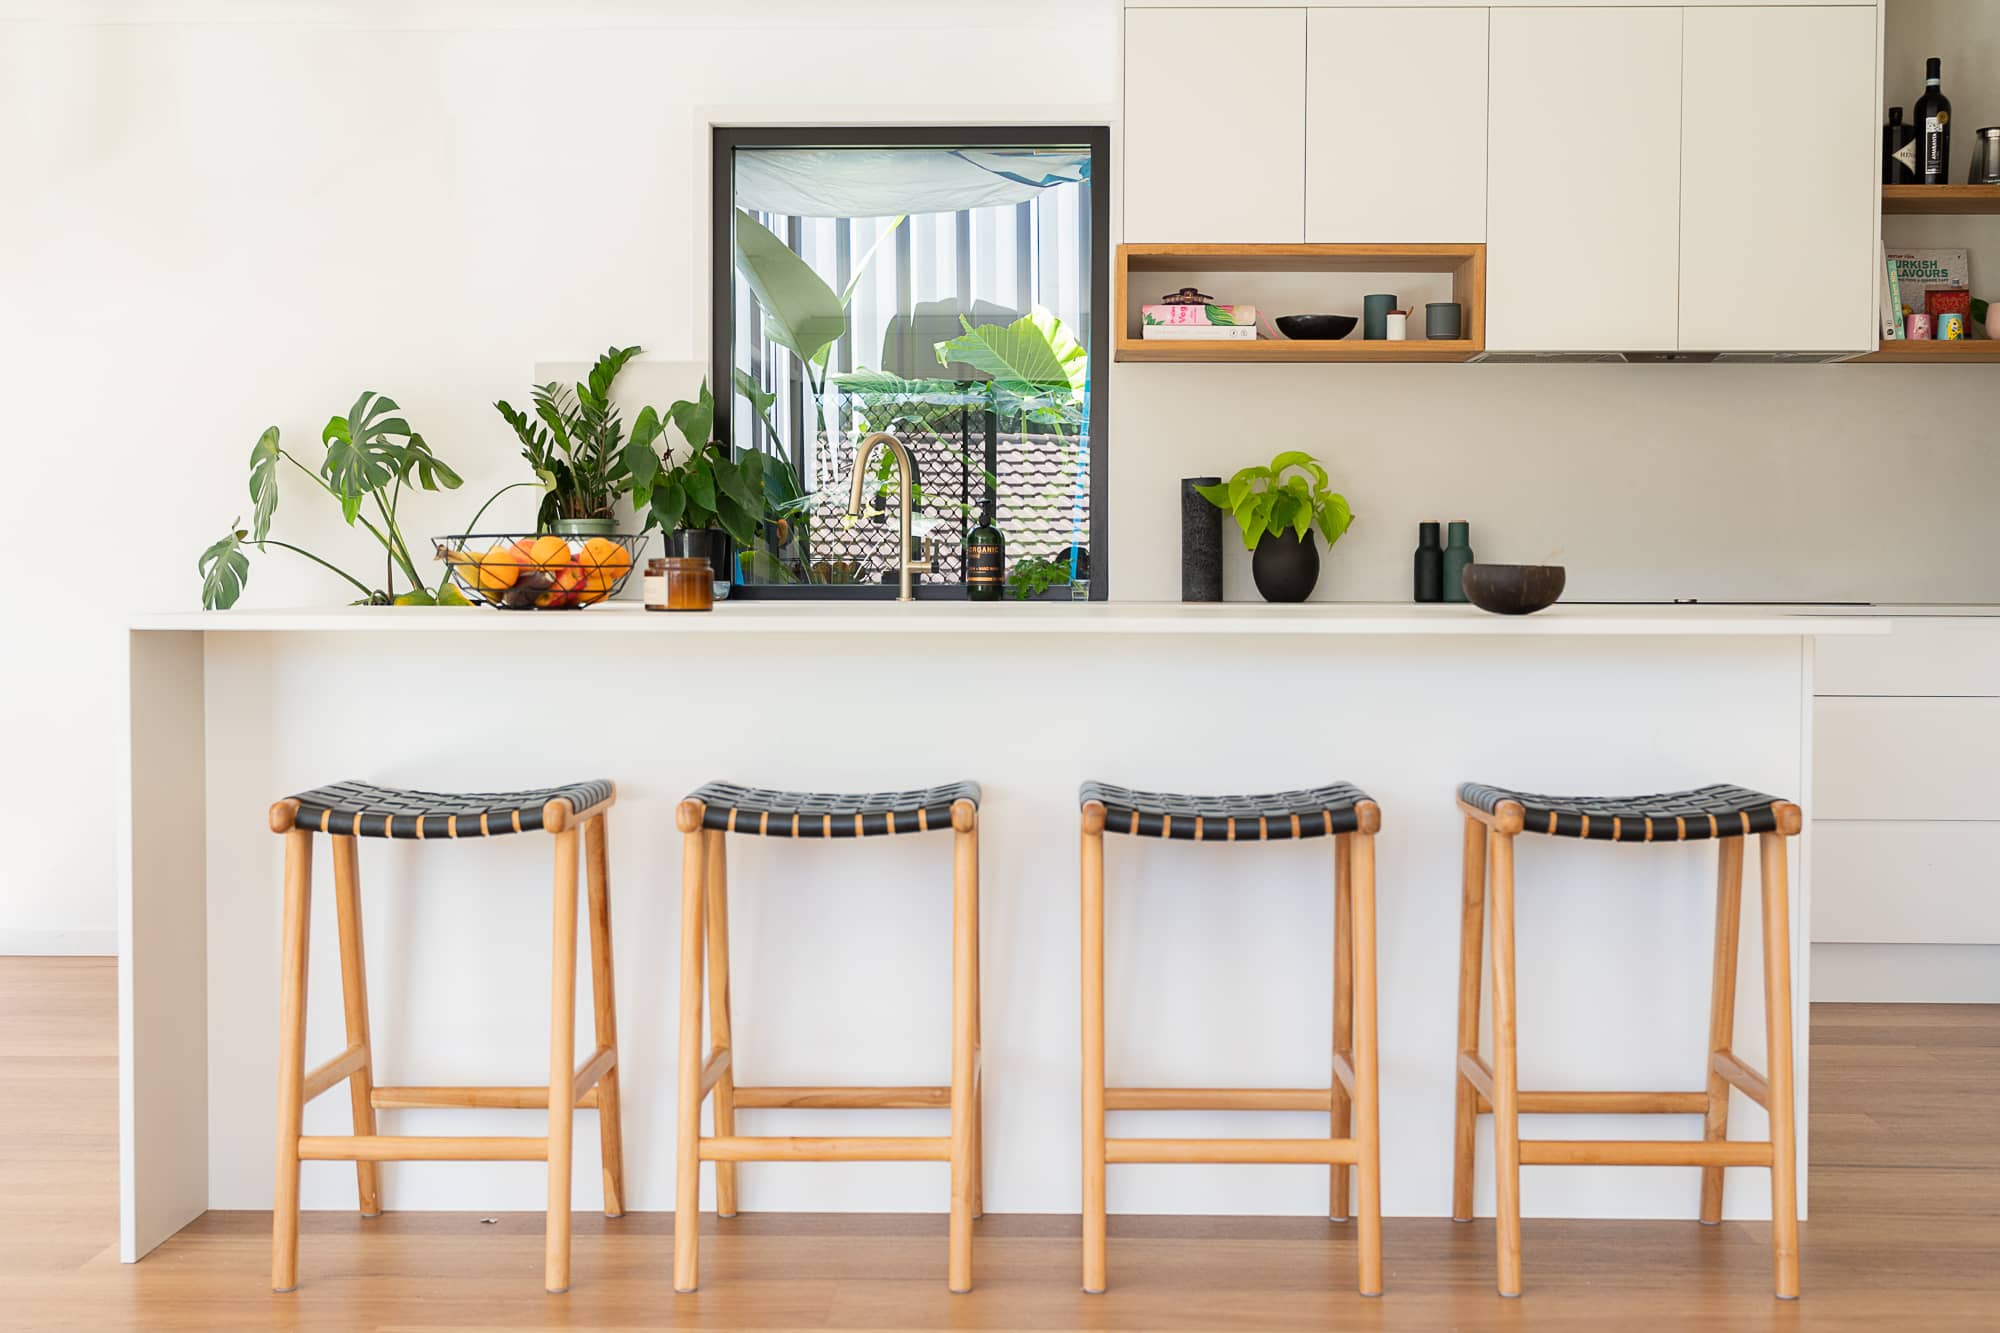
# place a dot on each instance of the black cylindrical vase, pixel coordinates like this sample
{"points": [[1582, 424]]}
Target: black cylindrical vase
{"points": [[1285, 566], [1201, 543], [710, 544]]}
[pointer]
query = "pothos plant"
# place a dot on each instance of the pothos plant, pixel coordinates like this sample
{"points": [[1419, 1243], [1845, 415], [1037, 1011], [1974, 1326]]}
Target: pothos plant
{"points": [[575, 442], [697, 486], [371, 456], [1265, 502]]}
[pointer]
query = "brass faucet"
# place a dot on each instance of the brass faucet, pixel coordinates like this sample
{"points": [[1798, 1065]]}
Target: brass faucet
{"points": [[906, 472]]}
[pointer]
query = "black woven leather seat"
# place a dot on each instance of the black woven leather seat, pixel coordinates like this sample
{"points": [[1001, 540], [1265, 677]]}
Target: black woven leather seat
{"points": [[1716, 811], [819, 814], [1312, 812], [364, 810]]}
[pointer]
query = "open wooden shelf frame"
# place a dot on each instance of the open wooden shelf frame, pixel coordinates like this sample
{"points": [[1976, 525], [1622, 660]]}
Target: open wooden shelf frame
{"points": [[1910, 200], [1465, 263], [1933, 352]]}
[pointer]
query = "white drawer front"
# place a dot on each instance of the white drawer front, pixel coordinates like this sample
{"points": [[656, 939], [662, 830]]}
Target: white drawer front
{"points": [[1906, 883], [1922, 655], [1891, 759]]}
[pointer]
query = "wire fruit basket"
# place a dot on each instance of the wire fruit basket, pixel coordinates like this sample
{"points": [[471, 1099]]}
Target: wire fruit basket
{"points": [[538, 571]]}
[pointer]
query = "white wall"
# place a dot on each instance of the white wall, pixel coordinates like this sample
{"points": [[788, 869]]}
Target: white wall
{"points": [[222, 215]]}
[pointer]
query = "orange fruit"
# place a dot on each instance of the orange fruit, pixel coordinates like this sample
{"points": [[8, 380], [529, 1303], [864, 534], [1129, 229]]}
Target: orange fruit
{"points": [[605, 562], [549, 552]]}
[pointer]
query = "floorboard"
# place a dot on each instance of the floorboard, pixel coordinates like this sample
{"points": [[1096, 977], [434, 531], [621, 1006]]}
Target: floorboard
{"points": [[1905, 1230]]}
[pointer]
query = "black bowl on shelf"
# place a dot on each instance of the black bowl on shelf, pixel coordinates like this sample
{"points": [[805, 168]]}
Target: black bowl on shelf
{"points": [[1514, 590], [1316, 328]]}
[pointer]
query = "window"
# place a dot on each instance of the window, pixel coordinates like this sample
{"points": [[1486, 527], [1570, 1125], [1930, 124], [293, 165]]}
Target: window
{"points": [[947, 285]]}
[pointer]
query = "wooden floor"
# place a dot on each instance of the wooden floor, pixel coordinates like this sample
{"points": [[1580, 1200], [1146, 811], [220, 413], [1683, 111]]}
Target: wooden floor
{"points": [[1905, 1232]]}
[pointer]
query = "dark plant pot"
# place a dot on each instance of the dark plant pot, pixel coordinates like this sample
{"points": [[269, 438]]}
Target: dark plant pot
{"points": [[1285, 567], [710, 544]]}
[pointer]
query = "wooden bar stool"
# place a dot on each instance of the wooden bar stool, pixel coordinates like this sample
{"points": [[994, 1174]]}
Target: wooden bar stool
{"points": [[350, 810], [1494, 816], [1354, 1139], [705, 817]]}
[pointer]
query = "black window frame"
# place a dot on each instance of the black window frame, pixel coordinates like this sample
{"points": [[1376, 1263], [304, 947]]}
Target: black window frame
{"points": [[726, 139]]}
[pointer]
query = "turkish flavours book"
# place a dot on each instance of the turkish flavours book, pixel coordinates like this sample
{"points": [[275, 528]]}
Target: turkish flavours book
{"points": [[1919, 271]]}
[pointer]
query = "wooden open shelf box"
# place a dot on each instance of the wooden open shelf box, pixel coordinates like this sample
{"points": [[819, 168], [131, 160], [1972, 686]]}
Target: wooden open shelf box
{"points": [[1465, 264], [1908, 200], [1935, 201]]}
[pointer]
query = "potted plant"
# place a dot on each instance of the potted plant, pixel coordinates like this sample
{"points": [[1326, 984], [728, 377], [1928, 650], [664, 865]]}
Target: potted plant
{"points": [[700, 497], [575, 442], [371, 455], [1278, 516]]}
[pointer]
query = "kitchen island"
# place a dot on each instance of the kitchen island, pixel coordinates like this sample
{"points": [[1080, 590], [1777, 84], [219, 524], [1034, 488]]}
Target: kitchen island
{"points": [[1226, 947]]}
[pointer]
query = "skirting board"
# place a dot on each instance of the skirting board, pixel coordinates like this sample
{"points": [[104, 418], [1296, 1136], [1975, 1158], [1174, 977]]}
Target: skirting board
{"points": [[1906, 973], [59, 943]]}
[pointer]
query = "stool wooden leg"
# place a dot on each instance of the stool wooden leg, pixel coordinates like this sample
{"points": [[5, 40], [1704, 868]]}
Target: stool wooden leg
{"points": [[687, 1179], [1722, 1011], [604, 1009], [720, 1034], [1778, 1068], [562, 1061], [1093, 1048], [1471, 940], [979, 1082], [1367, 1107], [964, 1026], [1343, 1011], [354, 994], [291, 1058], [1506, 1076]]}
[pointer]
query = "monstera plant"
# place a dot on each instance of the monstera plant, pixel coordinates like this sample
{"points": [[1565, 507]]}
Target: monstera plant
{"points": [[371, 456]]}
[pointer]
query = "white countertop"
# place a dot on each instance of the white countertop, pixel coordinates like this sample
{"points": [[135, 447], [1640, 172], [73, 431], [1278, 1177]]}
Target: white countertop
{"points": [[954, 617]]}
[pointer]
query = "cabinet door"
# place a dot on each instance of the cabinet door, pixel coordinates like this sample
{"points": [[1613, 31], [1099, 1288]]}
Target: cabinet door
{"points": [[1779, 180], [1583, 192], [1396, 125], [1215, 117]]}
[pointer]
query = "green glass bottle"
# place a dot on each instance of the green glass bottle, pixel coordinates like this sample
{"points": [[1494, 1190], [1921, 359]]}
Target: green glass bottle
{"points": [[985, 561]]}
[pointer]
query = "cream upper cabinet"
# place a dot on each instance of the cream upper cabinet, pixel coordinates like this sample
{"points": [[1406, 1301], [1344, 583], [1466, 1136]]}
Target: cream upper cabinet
{"points": [[1583, 208], [1396, 125], [1215, 125], [1779, 180]]}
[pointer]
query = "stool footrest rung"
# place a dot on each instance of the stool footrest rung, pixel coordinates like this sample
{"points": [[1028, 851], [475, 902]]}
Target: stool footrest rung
{"points": [[337, 1070], [1742, 1077], [1218, 1099], [419, 1148], [1479, 1074], [1269, 1152], [481, 1098], [1644, 1152], [766, 1148], [846, 1099]]}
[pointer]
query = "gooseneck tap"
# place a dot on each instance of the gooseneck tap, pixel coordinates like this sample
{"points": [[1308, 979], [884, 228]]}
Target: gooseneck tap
{"points": [[906, 472]]}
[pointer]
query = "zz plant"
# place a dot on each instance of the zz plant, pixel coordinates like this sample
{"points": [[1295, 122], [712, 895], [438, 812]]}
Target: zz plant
{"points": [[1265, 502], [575, 442]]}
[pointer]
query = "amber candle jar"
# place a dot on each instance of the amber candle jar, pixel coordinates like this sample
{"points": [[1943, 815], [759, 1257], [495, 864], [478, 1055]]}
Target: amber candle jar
{"points": [[690, 584]]}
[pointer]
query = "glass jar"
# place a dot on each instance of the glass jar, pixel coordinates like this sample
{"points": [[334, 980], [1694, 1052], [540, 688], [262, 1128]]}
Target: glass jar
{"points": [[690, 584]]}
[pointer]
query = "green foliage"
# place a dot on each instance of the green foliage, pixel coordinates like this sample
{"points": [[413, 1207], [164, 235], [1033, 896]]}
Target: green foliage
{"points": [[1262, 500], [703, 487], [575, 441], [1039, 370], [371, 455], [1034, 576]]}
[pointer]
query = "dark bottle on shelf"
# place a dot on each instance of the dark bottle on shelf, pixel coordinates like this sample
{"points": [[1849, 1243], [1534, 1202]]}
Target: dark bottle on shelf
{"points": [[1932, 115], [1899, 150], [1430, 564], [985, 561]]}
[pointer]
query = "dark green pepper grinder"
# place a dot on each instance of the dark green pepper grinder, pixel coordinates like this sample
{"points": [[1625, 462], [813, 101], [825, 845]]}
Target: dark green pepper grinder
{"points": [[1457, 555]]}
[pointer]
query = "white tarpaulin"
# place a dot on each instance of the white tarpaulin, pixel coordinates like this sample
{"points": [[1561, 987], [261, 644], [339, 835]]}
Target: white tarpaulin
{"points": [[883, 182]]}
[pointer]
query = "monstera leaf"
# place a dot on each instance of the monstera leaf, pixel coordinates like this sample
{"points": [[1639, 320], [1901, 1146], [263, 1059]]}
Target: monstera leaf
{"points": [[264, 458], [362, 454], [224, 570], [1037, 367]]}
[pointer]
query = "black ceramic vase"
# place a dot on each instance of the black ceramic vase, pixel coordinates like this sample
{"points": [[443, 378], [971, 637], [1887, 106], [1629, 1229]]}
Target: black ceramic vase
{"points": [[710, 544], [1285, 566]]}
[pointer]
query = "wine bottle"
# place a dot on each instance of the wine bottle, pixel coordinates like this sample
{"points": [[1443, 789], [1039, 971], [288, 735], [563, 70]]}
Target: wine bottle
{"points": [[985, 561], [1899, 150], [1933, 123]]}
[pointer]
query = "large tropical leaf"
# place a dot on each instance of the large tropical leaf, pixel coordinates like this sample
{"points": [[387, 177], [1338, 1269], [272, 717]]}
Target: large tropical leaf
{"points": [[1035, 364], [362, 454], [431, 472], [801, 312], [264, 459], [695, 420], [224, 570], [761, 400]]}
